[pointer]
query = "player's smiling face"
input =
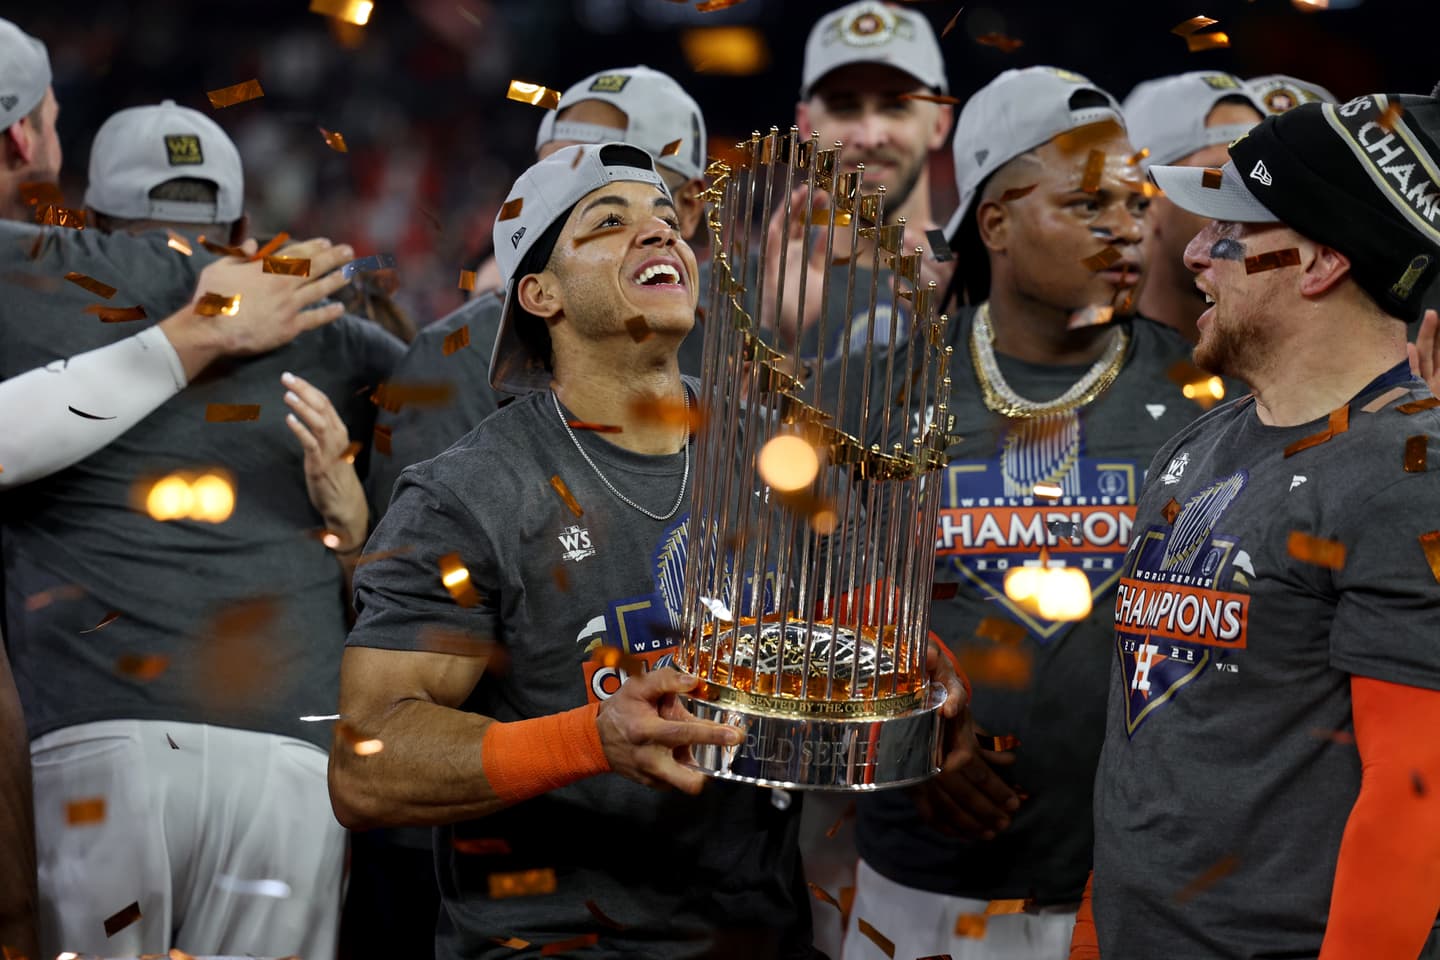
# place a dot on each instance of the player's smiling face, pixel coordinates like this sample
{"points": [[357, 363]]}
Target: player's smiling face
{"points": [[620, 256]]}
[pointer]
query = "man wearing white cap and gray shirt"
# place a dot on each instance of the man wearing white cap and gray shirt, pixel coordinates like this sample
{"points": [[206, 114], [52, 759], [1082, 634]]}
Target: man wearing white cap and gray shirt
{"points": [[542, 540], [635, 105], [873, 78], [1185, 120], [1054, 382], [166, 672]]}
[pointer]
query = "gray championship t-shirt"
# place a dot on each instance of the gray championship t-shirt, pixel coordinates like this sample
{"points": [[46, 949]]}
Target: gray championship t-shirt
{"points": [[113, 615], [460, 362], [713, 875], [1040, 680], [1229, 767]]}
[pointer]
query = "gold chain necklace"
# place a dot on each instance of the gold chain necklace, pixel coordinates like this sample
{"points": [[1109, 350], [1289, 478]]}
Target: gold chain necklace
{"points": [[1002, 398]]}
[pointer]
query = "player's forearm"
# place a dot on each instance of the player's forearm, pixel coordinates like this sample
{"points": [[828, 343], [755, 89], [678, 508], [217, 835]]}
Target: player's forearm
{"points": [[428, 773], [18, 897], [58, 415], [196, 343]]}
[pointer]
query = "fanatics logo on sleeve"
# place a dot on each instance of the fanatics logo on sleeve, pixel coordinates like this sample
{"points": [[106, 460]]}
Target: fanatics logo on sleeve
{"points": [[183, 149]]}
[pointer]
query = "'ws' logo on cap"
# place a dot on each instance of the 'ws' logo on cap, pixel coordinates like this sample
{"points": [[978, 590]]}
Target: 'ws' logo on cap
{"points": [[609, 83], [183, 149]]}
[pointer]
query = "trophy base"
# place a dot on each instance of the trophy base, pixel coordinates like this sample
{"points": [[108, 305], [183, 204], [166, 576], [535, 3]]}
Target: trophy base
{"points": [[845, 754]]}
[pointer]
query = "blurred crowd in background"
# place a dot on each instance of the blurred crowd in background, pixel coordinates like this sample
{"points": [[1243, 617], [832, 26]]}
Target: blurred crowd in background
{"points": [[432, 142]]}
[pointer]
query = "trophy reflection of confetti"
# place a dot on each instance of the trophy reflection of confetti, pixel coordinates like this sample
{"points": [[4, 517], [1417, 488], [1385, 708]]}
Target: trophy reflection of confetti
{"points": [[811, 552]]}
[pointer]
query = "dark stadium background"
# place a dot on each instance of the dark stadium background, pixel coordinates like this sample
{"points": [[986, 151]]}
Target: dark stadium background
{"points": [[419, 93]]}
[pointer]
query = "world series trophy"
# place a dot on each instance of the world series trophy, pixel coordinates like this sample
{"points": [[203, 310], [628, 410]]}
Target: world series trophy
{"points": [[822, 661]]}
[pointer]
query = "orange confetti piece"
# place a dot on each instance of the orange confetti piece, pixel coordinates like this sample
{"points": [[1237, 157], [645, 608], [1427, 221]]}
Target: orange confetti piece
{"points": [[638, 329], [667, 413], [467, 280], [886, 945], [561, 576], [121, 919], [231, 412], [600, 916], [1387, 120], [142, 666], [105, 621], [594, 427], [215, 304], [53, 215], [287, 266], [354, 12], [1000, 908], [1220, 870], [334, 139], [834, 828], [1416, 449], [351, 451], [276, 242], [998, 666], [456, 578], [236, 93], [612, 656], [514, 943], [1105, 258], [1339, 423], [1000, 630], [999, 744], [481, 846], [971, 925], [395, 395], [1273, 260], [1170, 511], [524, 883], [1135, 158], [1343, 737], [511, 209], [78, 813], [1317, 550], [1187, 27], [1000, 42], [1015, 193], [1416, 406], [1094, 169], [930, 98], [382, 437], [535, 94], [824, 896], [41, 193], [1212, 178], [455, 340], [671, 149], [1430, 543], [1094, 315], [116, 314], [177, 954], [178, 243], [221, 249], [559, 486], [1199, 42], [951, 25], [101, 290], [710, 6]]}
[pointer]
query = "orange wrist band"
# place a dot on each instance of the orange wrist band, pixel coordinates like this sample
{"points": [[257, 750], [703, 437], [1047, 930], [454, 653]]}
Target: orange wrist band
{"points": [[526, 758], [1084, 941]]}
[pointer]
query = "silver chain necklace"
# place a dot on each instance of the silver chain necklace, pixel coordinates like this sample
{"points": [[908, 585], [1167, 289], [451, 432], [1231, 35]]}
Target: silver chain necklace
{"points": [[684, 479]]}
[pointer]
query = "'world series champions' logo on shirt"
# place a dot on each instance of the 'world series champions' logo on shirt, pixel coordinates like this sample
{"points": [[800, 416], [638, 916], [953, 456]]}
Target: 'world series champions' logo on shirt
{"points": [[1183, 602], [990, 520]]}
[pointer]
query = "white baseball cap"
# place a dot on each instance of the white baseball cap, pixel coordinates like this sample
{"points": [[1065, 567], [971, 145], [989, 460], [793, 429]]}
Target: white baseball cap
{"points": [[1167, 115], [139, 148], [659, 115], [541, 196], [873, 32], [24, 73], [1013, 114], [1278, 93]]}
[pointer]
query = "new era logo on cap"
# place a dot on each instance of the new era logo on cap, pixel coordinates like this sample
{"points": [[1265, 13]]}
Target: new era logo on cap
{"points": [[183, 148], [516, 237], [1261, 174], [7, 103]]}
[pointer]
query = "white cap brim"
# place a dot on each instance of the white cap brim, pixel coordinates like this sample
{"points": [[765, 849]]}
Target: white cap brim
{"points": [[1230, 200]]}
